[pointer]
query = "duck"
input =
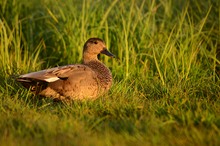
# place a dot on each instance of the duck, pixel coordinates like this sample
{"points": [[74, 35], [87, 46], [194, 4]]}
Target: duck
{"points": [[88, 80]]}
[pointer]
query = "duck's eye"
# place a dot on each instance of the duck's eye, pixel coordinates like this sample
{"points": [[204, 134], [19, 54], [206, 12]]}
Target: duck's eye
{"points": [[95, 42]]}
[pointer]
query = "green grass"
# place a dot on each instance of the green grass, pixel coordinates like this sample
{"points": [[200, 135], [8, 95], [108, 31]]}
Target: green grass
{"points": [[166, 87]]}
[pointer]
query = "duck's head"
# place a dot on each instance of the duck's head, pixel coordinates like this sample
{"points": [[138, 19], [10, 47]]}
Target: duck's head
{"points": [[92, 48]]}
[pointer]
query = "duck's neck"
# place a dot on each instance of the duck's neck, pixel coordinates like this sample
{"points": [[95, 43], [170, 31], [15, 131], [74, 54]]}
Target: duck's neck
{"points": [[88, 57], [103, 73]]}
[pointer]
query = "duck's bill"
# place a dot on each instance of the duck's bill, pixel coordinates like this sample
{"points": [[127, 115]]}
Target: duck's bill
{"points": [[106, 52]]}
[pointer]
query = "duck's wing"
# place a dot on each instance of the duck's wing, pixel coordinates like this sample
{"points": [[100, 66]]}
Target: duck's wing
{"points": [[37, 81], [53, 74]]}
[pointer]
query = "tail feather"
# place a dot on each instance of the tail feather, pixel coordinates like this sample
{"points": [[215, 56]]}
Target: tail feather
{"points": [[36, 86]]}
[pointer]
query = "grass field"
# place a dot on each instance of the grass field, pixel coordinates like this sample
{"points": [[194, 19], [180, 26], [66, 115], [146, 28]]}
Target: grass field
{"points": [[166, 87]]}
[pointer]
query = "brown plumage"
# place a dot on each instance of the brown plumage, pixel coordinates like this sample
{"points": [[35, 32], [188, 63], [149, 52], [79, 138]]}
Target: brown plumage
{"points": [[78, 81]]}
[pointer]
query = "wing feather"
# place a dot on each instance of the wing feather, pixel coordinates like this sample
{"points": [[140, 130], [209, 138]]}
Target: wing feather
{"points": [[54, 74]]}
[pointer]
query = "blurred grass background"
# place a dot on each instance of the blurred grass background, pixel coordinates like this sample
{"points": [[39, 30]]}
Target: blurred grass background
{"points": [[166, 81]]}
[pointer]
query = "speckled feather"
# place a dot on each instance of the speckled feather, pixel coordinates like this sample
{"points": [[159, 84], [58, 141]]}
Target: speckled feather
{"points": [[103, 74]]}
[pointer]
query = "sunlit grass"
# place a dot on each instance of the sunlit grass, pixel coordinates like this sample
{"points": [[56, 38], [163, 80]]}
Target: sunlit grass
{"points": [[166, 75]]}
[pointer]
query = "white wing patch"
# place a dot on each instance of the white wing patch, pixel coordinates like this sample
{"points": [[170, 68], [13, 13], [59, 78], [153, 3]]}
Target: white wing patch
{"points": [[52, 79]]}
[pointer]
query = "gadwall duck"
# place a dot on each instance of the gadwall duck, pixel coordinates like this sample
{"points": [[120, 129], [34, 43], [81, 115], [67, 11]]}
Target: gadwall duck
{"points": [[88, 80]]}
